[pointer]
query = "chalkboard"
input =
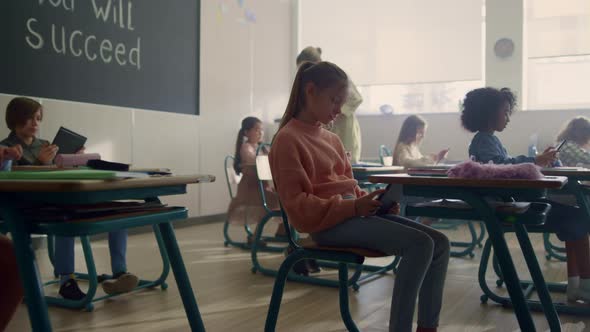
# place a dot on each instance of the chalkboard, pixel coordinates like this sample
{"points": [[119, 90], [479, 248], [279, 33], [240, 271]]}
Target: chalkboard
{"points": [[131, 53]]}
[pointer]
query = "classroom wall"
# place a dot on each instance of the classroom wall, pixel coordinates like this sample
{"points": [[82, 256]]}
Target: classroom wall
{"points": [[245, 70]]}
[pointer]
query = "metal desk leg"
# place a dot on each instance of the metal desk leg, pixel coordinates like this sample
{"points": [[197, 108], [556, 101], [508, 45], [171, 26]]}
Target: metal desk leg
{"points": [[29, 272], [182, 279], [537, 275], [496, 236]]}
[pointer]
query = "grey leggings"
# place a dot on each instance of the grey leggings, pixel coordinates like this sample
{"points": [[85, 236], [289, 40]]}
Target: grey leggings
{"points": [[423, 268]]}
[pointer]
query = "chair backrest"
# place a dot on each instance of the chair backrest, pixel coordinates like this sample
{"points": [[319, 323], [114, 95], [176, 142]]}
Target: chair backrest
{"points": [[291, 234], [263, 168], [262, 163], [263, 172], [231, 177], [384, 151]]}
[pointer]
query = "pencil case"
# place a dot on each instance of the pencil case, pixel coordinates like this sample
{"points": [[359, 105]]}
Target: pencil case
{"points": [[73, 160]]}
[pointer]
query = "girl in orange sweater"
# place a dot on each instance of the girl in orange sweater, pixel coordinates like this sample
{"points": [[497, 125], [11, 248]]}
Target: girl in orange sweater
{"points": [[320, 196]]}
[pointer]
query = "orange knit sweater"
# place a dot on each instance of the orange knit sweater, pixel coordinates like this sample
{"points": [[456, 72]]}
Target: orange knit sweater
{"points": [[312, 174]]}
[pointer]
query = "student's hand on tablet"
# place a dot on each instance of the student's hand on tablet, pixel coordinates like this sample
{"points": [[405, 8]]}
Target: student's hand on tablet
{"points": [[47, 154], [546, 158], [367, 205]]}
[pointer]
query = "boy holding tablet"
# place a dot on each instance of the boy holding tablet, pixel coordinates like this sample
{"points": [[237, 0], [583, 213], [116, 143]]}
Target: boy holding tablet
{"points": [[23, 118]]}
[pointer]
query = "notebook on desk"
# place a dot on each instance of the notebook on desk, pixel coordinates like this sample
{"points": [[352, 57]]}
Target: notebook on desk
{"points": [[438, 170], [78, 174], [547, 169], [366, 164], [151, 171]]}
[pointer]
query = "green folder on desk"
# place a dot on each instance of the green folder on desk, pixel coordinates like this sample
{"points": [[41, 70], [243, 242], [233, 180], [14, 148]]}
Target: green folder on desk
{"points": [[81, 174]]}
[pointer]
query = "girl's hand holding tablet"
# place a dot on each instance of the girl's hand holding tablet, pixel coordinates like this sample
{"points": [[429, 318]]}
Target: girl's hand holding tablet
{"points": [[367, 205]]}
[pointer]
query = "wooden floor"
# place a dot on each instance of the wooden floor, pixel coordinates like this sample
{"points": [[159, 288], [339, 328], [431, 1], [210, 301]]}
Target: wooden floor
{"points": [[231, 298]]}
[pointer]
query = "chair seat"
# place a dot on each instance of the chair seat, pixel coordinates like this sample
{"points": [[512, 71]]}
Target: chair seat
{"points": [[308, 243]]}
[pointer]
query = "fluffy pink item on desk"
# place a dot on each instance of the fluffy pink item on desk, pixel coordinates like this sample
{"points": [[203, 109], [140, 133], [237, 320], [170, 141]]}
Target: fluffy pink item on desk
{"points": [[72, 160], [474, 170]]}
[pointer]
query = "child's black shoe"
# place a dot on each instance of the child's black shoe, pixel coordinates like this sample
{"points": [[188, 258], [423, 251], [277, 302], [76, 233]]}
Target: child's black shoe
{"points": [[71, 291]]}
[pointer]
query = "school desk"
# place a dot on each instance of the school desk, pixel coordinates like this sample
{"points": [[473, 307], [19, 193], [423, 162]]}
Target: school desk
{"points": [[16, 193], [473, 192]]}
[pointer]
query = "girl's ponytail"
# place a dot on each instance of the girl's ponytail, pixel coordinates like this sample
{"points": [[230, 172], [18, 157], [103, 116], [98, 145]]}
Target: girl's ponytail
{"points": [[237, 157], [296, 97]]}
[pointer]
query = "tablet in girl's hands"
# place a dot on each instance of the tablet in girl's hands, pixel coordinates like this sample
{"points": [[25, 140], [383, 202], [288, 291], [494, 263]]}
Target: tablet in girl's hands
{"points": [[388, 200]]}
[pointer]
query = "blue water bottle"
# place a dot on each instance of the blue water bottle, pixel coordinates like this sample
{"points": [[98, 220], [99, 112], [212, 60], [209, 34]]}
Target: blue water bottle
{"points": [[532, 150], [6, 166], [533, 140]]}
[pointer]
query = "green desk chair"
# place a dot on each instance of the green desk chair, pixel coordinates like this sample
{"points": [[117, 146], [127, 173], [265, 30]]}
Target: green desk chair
{"points": [[552, 250], [466, 248], [264, 177], [85, 229], [343, 257], [372, 271]]}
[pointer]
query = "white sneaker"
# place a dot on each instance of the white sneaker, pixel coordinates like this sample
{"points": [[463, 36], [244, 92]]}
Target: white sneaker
{"points": [[578, 294], [123, 283]]}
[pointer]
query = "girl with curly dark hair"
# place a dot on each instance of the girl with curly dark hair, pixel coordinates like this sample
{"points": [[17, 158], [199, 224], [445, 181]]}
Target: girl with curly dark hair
{"points": [[487, 110]]}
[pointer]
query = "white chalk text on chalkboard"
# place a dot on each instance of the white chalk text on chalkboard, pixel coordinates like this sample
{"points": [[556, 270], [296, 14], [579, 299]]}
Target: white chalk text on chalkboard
{"points": [[77, 43]]}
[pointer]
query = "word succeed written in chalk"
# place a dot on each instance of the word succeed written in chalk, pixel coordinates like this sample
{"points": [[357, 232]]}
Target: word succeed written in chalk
{"points": [[75, 42]]}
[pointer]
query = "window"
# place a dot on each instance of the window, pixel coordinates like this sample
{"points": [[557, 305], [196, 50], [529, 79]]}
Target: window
{"points": [[558, 54], [414, 98], [418, 56]]}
